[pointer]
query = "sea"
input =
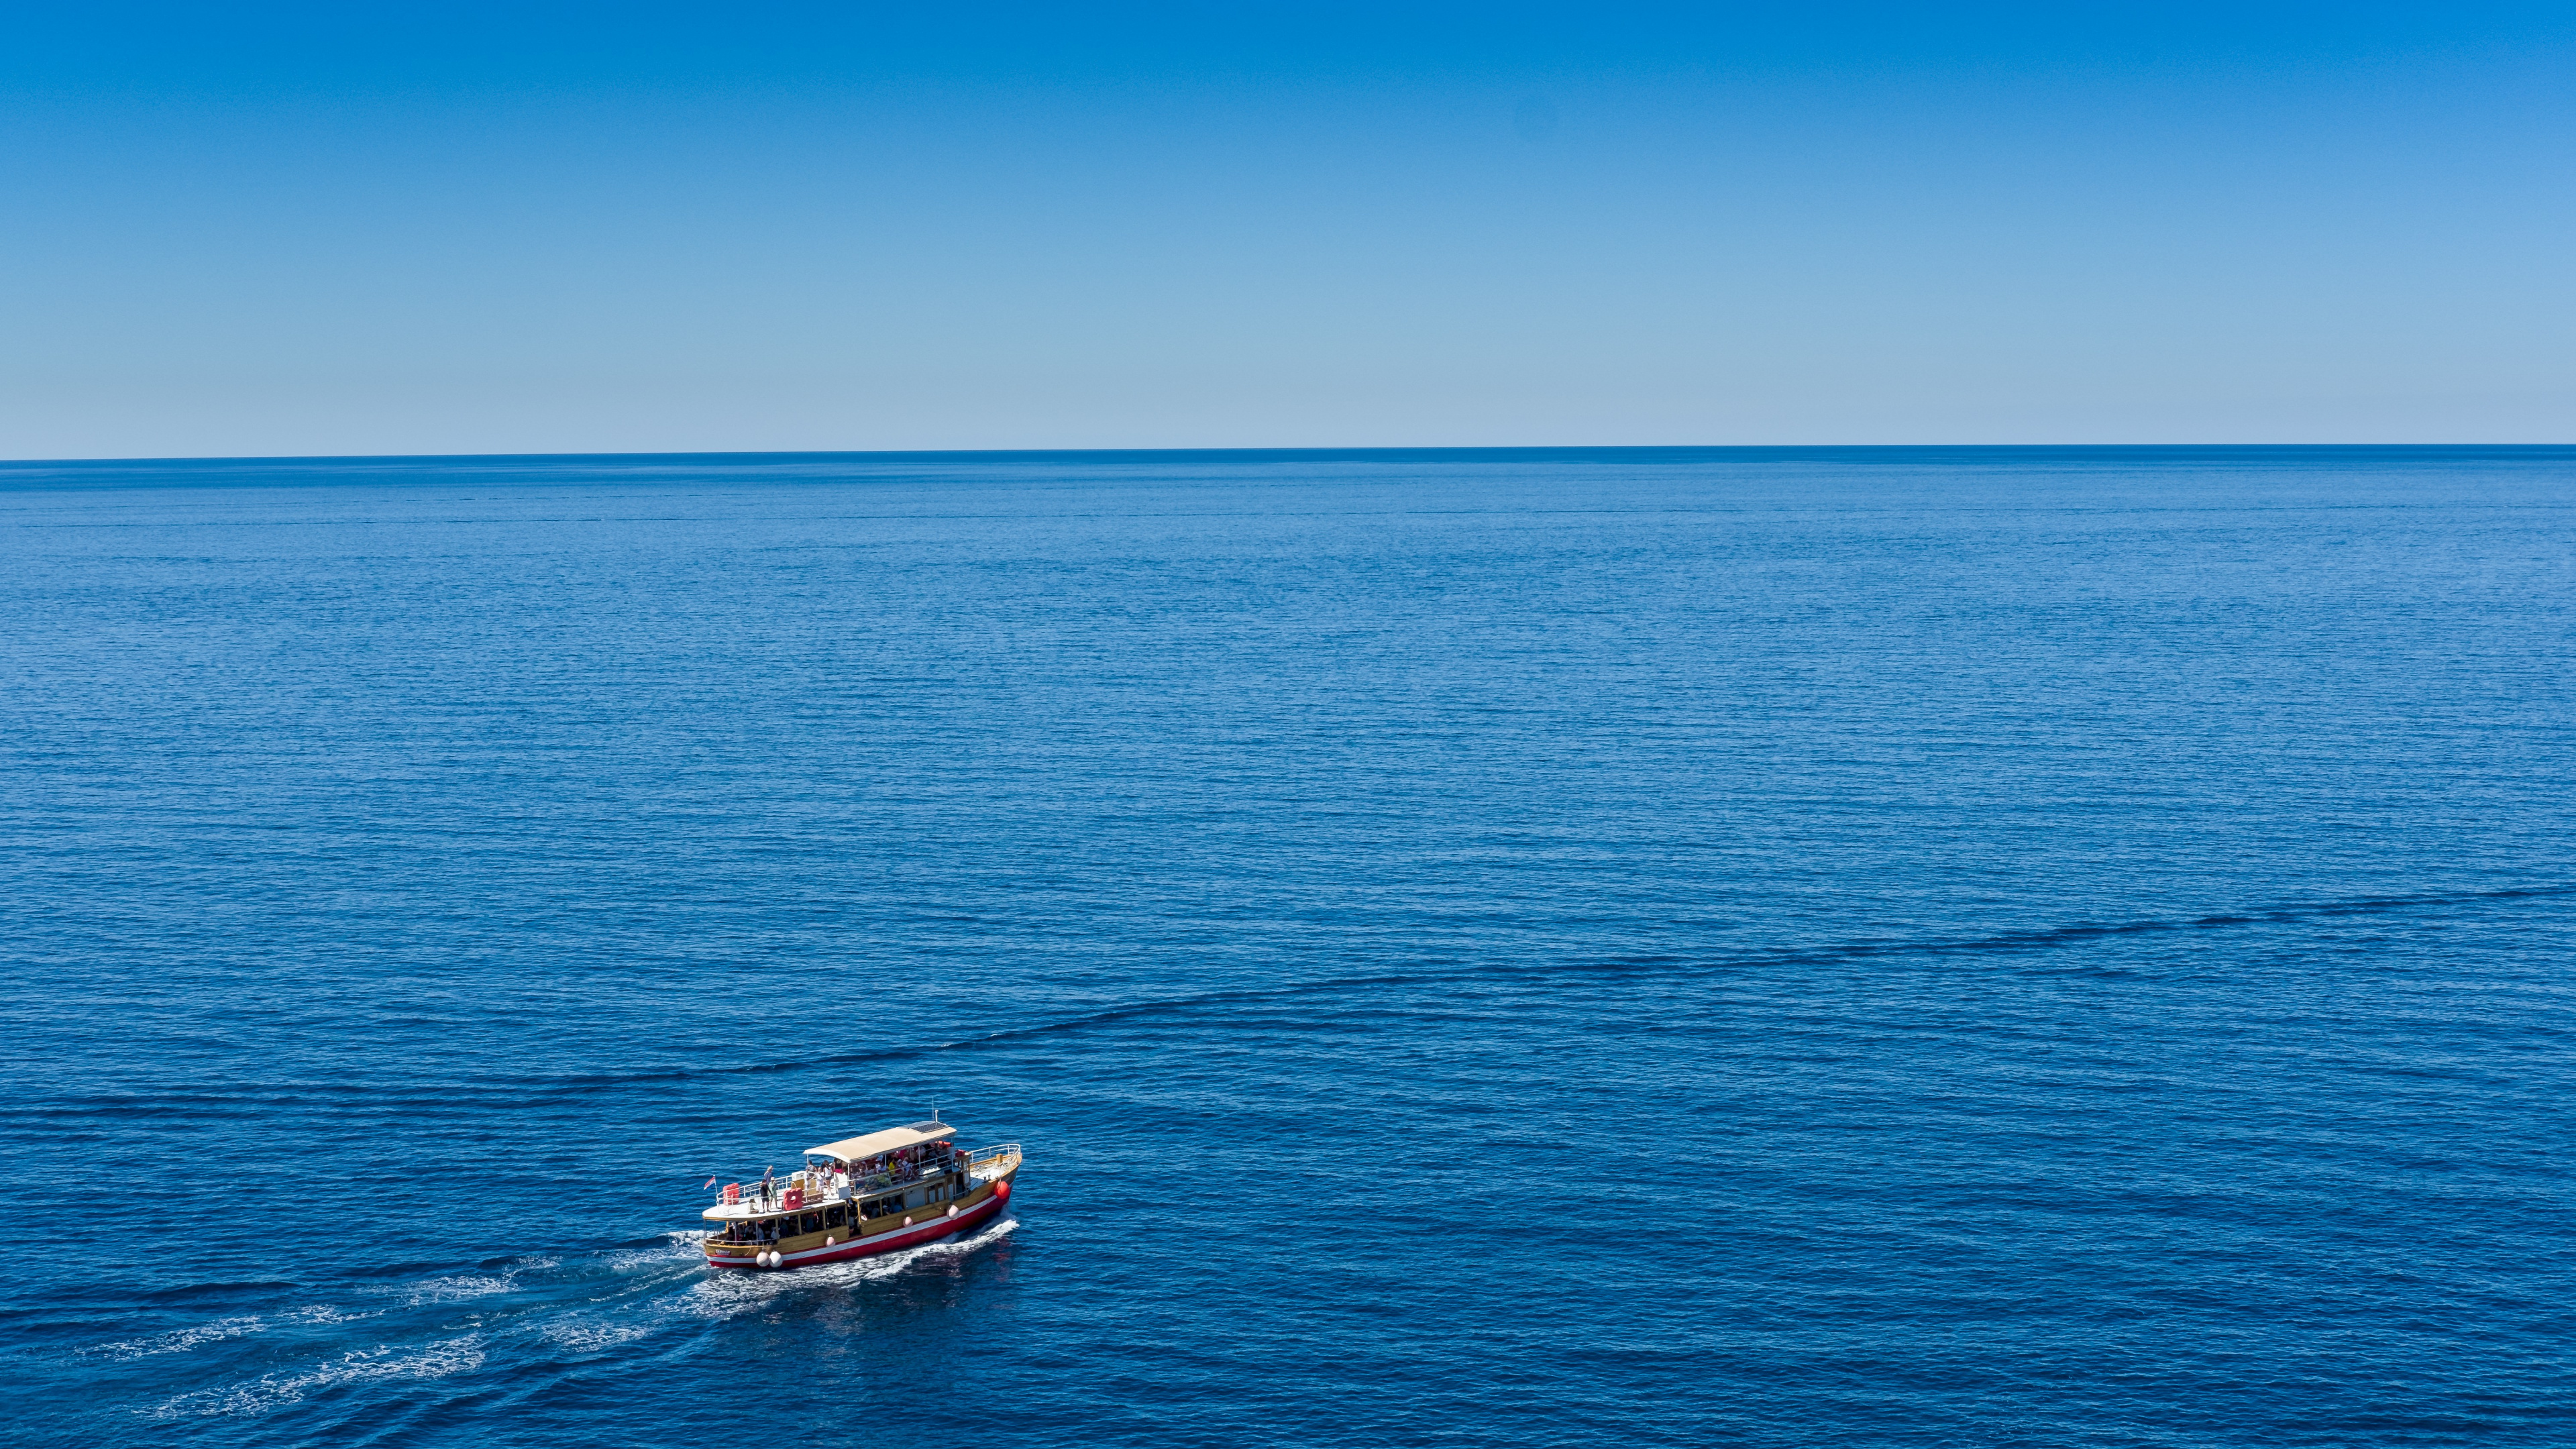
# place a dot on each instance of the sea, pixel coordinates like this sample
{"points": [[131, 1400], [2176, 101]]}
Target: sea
{"points": [[1628, 947]]}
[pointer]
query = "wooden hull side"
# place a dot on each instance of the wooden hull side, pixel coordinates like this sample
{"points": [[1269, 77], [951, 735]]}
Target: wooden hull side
{"points": [[983, 1208]]}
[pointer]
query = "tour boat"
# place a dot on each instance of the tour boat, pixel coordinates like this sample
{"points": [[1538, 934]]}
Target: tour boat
{"points": [[899, 1188]]}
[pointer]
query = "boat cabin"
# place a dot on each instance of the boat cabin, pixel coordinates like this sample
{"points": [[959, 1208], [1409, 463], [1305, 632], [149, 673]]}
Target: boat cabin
{"points": [[851, 1190]]}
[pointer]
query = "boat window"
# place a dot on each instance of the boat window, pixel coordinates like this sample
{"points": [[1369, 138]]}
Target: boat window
{"points": [[813, 1223], [879, 1207], [836, 1216]]}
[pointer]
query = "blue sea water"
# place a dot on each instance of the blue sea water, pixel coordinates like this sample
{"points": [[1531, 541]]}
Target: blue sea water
{"points": [[1765, 947]]}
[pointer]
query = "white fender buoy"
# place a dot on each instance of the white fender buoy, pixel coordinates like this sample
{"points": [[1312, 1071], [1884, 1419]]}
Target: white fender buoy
{"points": [[907, 1220], [952, 1210], [829, 1240]]}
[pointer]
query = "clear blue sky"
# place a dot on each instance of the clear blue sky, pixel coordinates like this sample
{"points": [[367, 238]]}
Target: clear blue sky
{"points": [[232, 230]]}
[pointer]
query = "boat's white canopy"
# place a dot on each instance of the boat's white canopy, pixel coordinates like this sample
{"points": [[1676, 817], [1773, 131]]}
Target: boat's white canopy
{"points": [[892, 1139]]}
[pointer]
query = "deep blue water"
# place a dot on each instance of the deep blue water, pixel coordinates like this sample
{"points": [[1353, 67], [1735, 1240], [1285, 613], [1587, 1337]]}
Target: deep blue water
{"points": [[1957, 947]]}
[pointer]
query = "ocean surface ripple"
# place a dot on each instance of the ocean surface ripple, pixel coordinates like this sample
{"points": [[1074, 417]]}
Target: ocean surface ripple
{"points": [[1767, 947]]}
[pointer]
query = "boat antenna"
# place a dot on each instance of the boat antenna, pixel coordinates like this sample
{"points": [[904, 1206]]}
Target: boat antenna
{"points": [[934, 1111]]}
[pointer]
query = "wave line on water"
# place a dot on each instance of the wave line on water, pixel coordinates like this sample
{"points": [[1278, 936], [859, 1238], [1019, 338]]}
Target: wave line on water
{"points": [[2007, 942], [559, 1090]]}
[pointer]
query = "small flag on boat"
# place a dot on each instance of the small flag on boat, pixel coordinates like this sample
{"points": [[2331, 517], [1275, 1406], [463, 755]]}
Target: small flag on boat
{"points": [[711, 1182]]}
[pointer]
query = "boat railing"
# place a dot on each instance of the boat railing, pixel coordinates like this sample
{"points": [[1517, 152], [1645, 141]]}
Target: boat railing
{"points": [[828, 1195], [817, 1194], [983, 1157]]}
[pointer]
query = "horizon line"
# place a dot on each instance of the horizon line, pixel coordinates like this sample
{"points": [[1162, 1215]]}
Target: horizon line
{"points": [[1633, 452]]}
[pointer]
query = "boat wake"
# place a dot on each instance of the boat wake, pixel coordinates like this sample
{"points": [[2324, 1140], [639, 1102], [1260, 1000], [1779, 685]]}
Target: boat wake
{"points": [[532, 1314]]}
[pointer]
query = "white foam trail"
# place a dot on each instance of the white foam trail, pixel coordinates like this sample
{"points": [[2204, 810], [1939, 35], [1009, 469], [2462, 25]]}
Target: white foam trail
{"points": [[460, 1288], [275, 1391], [324, 1313], [180, 1340], [682, 1247], [465, 1287], [593, 1337]]}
